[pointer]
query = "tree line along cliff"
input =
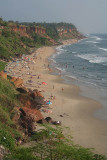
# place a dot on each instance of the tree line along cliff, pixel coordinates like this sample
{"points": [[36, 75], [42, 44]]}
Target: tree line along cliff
{"points": [[17, 38]]}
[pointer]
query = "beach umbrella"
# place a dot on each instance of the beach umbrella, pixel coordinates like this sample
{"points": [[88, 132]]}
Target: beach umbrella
{"points": [[44, 83], [48, 102]]}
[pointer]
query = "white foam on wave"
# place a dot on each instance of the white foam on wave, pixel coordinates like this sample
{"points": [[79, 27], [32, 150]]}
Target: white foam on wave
{"points": [[74, 52], [105, 49], [71, 76], [97, 38], [92, 58], [91, 83], [91, 75], [60, 69], [59, 47], [53, 60], [60, 50], [92, 42]]}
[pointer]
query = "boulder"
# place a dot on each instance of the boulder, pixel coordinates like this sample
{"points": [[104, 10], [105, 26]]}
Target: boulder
{"points": [[13, 79], [28, 119], [42, 121], [39, 94], [49, 119], [35, 93], [57, 123], [3, 75], [17, 81], [33, 113], [22, 90], [31, 101]]}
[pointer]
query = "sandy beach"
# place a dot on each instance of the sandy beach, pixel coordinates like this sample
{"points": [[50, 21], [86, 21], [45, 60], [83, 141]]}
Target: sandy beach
{"points": [[74, 111]]}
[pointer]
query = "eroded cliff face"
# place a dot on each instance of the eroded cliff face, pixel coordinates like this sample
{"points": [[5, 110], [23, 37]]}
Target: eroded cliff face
{"points": [[26, 31], [69, 33], [21, 29], [62, 30]]}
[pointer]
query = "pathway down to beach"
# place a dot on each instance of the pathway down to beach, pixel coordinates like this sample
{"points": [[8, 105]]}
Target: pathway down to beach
{"points": [[73, 110]]}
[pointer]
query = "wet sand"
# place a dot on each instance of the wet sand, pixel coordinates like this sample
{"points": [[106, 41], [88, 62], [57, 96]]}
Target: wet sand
{"points": [[73, 110]]}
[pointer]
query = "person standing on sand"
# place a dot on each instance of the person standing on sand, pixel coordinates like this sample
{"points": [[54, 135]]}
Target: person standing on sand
{"points": [[62, 89], [53, 86]]}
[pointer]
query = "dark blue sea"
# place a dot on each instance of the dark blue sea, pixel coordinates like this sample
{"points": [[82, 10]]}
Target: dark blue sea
{"points": [[85, 64]]}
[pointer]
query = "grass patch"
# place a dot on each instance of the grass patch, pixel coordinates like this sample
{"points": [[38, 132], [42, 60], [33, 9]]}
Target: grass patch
{"points": [[52, 147], [11, 45], [8, 100], [6, 138], [22, 154], [2, 65]]}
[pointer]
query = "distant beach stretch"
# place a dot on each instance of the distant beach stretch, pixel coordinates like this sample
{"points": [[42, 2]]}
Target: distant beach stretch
{"points": [[74, 111]]}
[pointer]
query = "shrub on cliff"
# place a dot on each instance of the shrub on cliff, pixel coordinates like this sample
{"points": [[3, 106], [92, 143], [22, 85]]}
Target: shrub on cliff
{"points": [[11, 44], [2, 65], [8, 100], [4, 54], [6, 138], [51, 144]]}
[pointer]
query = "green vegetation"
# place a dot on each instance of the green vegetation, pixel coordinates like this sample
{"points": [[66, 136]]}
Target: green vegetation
{"points": [[8, 100], [17, 38], [40, 40], [36, 41], [52, 29], [4, 23], [15, 44], [11, 44], [2, 65], [51, 144]]}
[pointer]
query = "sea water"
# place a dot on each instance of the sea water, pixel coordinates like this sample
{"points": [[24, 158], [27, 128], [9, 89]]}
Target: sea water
{"points": [[86, 63]]}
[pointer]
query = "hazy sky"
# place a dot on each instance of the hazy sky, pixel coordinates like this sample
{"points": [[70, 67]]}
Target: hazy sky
{"points": [[89, 16]]}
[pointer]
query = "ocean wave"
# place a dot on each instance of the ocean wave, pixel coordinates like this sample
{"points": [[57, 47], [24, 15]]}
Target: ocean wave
{"points": [[53, 60], [59, 47], [71, 76], [97, 38], [60, 50], [74, 52], [91, 83], [92, 58], [105, 49], [53, 56], [92, 75], [92, 42], [60, 69]]}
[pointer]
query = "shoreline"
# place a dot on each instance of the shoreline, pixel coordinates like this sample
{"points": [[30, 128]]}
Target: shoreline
{"points": [[69, 107]]}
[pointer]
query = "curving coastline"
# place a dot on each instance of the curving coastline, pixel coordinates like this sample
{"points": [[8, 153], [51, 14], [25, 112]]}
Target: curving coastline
{"points": [[69, 107]]}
